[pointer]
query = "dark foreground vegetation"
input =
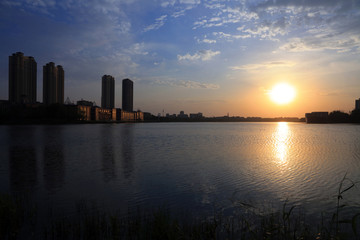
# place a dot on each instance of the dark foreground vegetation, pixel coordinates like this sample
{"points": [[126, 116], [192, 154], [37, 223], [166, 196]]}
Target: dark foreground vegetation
{"points": [[18, 220]]}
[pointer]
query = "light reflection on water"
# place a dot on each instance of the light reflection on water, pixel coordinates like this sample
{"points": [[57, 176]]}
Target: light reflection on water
{"points": [[282, 141], [184, 165]]}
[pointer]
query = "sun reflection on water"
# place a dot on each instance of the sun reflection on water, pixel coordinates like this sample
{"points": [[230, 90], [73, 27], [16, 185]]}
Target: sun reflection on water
{"points": [[281, 143]]}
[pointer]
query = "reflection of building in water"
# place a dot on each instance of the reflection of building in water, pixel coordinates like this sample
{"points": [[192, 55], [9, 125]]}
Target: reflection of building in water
{"points": [[22, 78], [317, 117], [22, 160], [107, 153], [127, 138], [53, 153]]}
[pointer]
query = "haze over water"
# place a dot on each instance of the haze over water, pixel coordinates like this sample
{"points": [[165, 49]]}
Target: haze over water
{"points": [[189, 166]]}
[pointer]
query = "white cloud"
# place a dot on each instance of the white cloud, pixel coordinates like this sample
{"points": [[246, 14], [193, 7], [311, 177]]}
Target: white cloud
{"points": [[230, 37], [322, 42], [203, 55], [197, 85], [205, 40], [265, 65], [187, 84], [137, 49], [168, 3], [191, 2], [159, 22]]}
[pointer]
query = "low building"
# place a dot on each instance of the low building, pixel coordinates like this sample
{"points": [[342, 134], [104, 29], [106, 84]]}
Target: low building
{"points": [[83, 102], [196, 115], [85, 112], [317, 117], [101, 114], [125, 116]]}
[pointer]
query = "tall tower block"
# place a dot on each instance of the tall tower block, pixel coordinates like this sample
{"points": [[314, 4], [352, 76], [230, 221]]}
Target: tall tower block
{"points": [[53, 84], [107, 91], [22, 78], [127, 95]]}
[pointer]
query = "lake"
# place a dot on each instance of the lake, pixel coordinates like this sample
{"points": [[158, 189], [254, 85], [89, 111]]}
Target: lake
{"points": [[192, 166]]}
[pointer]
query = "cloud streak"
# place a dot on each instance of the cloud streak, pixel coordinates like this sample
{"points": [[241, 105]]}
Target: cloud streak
{"points": [[265, 65], [203, 55], [188, 84]]}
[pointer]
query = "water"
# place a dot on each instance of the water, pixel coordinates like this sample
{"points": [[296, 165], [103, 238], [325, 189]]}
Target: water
{"points": [[192, 166]]}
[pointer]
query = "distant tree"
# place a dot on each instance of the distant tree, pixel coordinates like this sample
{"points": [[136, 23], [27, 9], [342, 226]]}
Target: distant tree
{"points": [[339, 117]]}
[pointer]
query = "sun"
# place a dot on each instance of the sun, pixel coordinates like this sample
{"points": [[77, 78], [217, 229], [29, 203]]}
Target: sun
{"points": [[282, 93]]}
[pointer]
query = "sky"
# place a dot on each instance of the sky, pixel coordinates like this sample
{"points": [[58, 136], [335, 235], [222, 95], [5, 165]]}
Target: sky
{"points": [[216, 57]]}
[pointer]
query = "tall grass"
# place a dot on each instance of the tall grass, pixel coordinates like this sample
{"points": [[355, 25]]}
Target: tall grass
{"points": [[18, 221]]}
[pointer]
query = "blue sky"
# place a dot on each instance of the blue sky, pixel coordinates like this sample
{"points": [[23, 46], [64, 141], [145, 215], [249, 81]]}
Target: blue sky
{"points": [[214, 57]]}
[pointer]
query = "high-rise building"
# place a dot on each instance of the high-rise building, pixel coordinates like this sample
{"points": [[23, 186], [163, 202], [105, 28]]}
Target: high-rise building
{"points": [[108, 91], [127, 95], [22, 78], [53, 84], [357, 104]]}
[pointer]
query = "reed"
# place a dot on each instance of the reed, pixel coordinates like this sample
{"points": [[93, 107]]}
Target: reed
{"points": [[17, 221]]}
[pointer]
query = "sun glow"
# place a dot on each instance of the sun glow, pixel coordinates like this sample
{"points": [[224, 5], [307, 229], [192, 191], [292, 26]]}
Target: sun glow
{"points": [[282, 93]]}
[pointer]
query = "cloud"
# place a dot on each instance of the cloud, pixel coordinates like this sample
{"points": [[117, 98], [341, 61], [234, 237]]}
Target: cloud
{"points": [[230, 37], [205, 40], [187, 84], [203, 55], [197, 85], [265, 65], [191, 2], [225, 16], [159, 22], [137, 49], [167, 3], [323, 42]]}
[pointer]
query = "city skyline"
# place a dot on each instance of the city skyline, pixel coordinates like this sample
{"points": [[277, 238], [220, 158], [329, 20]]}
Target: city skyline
{"points": [[214, 57]]}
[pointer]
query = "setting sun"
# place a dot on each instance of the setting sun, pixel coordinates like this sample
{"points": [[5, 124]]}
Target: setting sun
{"points": [[282, 93]]}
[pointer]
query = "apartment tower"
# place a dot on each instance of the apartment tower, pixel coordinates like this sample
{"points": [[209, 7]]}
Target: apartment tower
{"points": [[53, 84], [108, 91], [22, 78], [127, 95]]}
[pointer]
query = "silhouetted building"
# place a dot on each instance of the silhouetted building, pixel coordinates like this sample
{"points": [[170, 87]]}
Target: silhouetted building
{"points": [[83, 102], [53, 84], [357, 104], [22, 78], [317, 117], [196, 115], [182, 115], [127, 95], [108, 91]]}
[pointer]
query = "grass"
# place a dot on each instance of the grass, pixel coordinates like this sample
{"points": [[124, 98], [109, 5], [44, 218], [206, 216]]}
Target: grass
{"points": [[18, 221]]}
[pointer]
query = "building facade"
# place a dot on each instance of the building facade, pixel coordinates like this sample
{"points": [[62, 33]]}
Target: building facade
{"points": [[127, 95], [107, 91], [357, 104], [53, 84], [22, 78]]}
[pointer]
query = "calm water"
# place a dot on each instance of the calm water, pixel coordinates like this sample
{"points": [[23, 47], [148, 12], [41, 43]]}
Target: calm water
{"points": [[193, 166]]}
